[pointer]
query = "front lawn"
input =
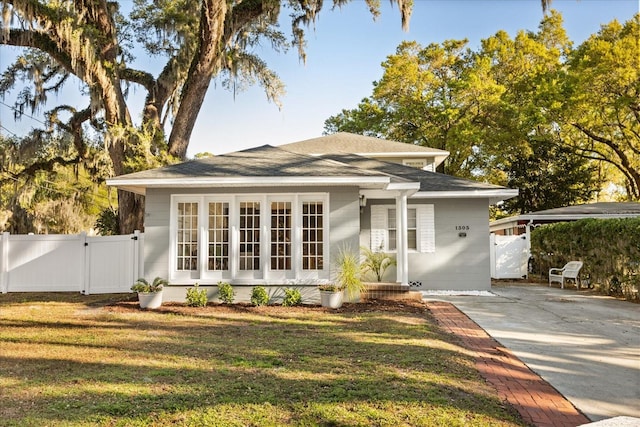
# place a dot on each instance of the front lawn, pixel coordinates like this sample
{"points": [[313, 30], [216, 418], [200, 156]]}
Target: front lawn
{"points": [[72, 360]]}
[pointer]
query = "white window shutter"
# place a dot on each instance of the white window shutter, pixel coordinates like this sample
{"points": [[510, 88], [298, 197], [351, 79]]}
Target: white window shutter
{"points": [[378, 227], [426, 228]]}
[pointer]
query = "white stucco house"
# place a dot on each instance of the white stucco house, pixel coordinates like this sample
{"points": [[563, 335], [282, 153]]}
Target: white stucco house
{"points": [[278, 216]]}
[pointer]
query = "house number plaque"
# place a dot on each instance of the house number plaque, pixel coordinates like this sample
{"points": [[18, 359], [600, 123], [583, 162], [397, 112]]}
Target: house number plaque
{"points": [[462, 227]]}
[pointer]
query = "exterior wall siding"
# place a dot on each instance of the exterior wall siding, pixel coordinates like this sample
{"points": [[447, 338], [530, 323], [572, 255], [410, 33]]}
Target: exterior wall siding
{"points": [[458, 263]]}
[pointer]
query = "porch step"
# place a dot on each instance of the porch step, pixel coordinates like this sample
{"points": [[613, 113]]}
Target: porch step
{"points": [[393, 291]]}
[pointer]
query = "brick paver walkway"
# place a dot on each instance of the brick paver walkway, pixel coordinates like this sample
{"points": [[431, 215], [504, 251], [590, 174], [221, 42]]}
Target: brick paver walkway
{"points": [[536, 400]]}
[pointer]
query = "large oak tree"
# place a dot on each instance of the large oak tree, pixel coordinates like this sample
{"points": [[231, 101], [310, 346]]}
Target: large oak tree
{"points": [[94, 41]]}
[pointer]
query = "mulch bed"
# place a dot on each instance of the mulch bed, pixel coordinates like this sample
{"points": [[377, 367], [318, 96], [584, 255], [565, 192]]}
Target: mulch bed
{"points": [[368, 306]]}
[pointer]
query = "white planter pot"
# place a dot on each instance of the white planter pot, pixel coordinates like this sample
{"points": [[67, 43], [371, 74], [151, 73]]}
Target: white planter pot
{"points": [[331, 299], [150, 299]]}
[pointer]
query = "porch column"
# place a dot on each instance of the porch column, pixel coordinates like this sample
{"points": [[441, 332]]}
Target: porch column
{"points": [[402, 241]]}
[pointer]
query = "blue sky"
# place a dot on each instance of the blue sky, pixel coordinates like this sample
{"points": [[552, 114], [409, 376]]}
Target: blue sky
{"points": [[344, 51]]}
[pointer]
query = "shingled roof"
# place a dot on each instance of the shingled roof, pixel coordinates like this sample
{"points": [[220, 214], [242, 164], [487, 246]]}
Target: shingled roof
{"points": [[274, 166], [260, 166], [344, 142], [432, 184]]}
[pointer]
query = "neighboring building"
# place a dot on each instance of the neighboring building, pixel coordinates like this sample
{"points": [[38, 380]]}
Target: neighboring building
{"points": [[278, 216], [515, 225]]}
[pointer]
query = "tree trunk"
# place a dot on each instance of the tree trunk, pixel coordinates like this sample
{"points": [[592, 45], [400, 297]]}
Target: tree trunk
{"points": [[205, 62], [130, 212]]}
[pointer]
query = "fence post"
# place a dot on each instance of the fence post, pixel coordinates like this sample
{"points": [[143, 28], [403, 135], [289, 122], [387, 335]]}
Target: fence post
{"points": [[84, 263], [136, 255], [4, 262]]}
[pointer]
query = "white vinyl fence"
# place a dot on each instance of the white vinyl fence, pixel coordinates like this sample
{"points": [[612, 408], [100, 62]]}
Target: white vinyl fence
{"points": [[70, 263], [509, 256]]}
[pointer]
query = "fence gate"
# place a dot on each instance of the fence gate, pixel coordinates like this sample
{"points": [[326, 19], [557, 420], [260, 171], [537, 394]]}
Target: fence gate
{"points": [[112, 263], [509, 256], [76, 263]]}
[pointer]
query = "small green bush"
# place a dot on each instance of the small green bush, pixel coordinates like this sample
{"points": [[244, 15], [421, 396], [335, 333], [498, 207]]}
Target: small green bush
{"points": [[259, 296], [225, 292], [196, 297], [292, 297]]}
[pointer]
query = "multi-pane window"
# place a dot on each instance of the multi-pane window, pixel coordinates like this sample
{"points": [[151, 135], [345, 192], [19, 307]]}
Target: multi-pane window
{"points": [[249, 236], [312, 236], [412, 229], [187, 237], [281, 235], [218, 256], [420, 228]]}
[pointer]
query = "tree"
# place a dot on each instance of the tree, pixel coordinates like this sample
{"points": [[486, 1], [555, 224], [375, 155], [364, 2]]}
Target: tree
{"points": [[427, 96], [40, 195], [93, 41], [603, 102], [493, 110]]}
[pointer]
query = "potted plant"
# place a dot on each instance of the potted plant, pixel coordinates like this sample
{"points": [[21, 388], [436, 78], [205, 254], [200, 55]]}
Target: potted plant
{"points": [[149, 294], [348, 274], [347, 284], [330, 295]]}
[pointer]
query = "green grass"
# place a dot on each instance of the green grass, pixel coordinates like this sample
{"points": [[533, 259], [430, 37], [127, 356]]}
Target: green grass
{"points": [[71, 360]]}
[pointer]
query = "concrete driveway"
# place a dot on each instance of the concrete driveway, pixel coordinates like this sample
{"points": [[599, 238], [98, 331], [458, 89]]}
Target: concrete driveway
{"points": [[586, 346]]}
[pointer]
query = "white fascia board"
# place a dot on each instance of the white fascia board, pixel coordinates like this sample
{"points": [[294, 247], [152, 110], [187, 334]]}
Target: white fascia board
{"points": [[494, 196], [138, 185], [411, 186], [406, 154]]}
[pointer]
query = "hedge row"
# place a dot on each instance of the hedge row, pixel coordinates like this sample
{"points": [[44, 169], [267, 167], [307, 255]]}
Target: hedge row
{"points": [[609, 248]]}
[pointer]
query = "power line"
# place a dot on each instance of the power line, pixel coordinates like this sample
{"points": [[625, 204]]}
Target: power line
{"points": [[11, 107], [12, 133]]}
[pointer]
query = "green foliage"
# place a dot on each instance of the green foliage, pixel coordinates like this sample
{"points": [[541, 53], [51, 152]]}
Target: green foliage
{"points": [[330, 287], [609, 248], [191, 45], [108, 223], [142, 285], [376, 262], [226, 293], [601, 106], [196, 297], [348, 273], [46, 188], [259, 296], [529, 112], [292, 297]]}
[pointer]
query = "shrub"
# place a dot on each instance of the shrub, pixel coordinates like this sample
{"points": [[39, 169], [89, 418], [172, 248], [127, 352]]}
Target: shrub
{"points": [[292, 297], [608, 247], [225, 292], [196, 297], [259, 296]]}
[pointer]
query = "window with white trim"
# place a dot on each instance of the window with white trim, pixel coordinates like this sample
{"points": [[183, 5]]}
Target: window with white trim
{"points": [[312, 236], [187, 237], [218, 242], [420, 228], [412, 229], [249, 235], [281, 235]]}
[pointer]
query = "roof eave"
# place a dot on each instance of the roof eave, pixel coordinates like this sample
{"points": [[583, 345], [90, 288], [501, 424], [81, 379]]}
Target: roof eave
{"points": [[139, 186], [494, 195]]}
